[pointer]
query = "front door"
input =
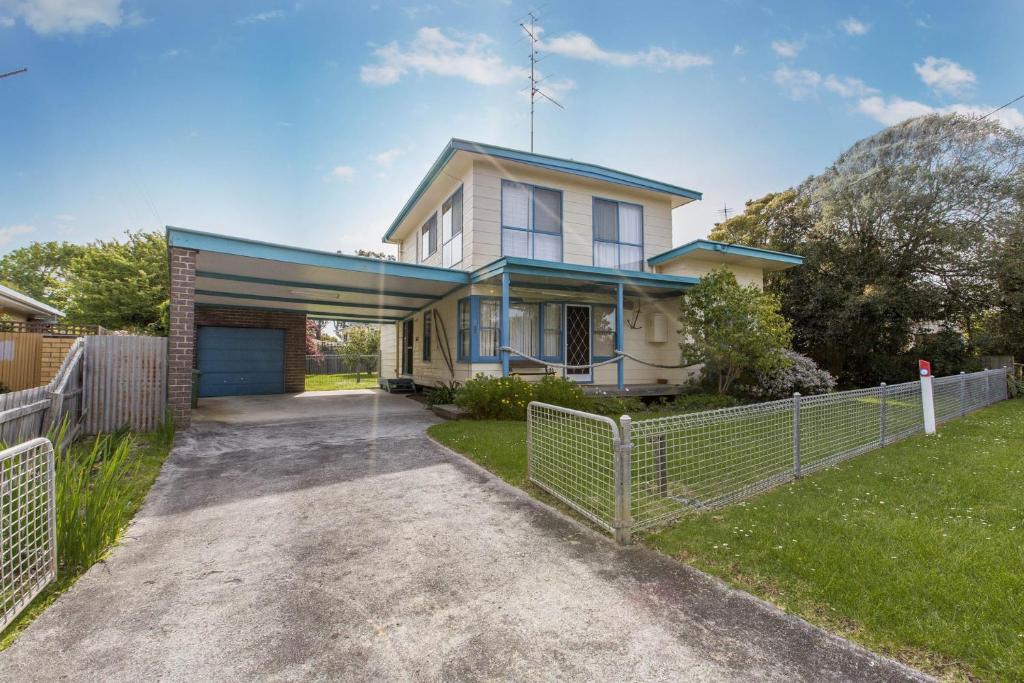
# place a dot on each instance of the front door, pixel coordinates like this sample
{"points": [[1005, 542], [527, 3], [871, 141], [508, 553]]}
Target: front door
{"points": [[577, 342], [407, 340]]}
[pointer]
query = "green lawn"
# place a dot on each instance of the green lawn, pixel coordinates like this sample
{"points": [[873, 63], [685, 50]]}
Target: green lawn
{"points": [[915, 550], [346, 380], [148, 455]]}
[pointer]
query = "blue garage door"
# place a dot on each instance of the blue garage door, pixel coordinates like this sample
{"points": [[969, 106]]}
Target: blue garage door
{"points": [[237, 361]]}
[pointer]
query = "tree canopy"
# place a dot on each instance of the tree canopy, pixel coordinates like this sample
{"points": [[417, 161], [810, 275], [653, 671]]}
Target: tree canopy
{"points": [[911, 228]]}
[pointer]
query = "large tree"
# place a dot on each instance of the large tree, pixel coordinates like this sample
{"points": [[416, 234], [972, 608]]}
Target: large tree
{"points": [[40, 270], [905, 228]]}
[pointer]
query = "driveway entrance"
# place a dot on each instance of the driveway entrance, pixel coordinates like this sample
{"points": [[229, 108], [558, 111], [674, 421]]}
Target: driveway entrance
{"points": [[324, 536]]}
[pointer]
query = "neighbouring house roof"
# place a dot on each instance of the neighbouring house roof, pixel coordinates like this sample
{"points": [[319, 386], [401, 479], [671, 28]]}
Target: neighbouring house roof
{"points": [[579, 168], [234, 272], [710, 250], [14, 300]]}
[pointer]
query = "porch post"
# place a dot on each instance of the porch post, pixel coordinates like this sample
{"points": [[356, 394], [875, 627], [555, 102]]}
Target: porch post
{"points": [[505, 282], [619, 337]]}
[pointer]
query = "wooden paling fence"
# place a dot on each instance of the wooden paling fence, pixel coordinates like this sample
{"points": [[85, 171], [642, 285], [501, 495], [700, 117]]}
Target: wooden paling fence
{"points": [[104, 383], [125, 383]]}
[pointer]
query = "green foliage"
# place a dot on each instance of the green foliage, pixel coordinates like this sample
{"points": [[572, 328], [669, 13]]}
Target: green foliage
{"points": [[559, 391], [921, 222], [696, 403], [41, 270], [442, 394], [948, 352], [495, 398], [615, 406], [731, 329], [362, 344], [93, 496]]}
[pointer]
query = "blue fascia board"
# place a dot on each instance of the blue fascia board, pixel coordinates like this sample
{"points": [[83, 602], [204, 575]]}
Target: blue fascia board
{"points": [[295, 300], [521, 266], [329, 315], [237, 246], [723, 248], [592, 171]]}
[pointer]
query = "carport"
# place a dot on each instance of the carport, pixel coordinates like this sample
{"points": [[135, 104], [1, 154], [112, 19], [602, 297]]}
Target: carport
{"points": [[238, 308]]}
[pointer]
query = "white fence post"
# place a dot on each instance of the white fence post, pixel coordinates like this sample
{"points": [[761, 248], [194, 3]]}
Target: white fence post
{"points": [[928, 404], [882, 417], [623, 482]]}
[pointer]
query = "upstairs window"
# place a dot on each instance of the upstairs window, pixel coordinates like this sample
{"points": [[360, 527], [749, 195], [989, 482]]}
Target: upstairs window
{"points": [[428, 238], [531, 222], [451, 230], [618, 235]]}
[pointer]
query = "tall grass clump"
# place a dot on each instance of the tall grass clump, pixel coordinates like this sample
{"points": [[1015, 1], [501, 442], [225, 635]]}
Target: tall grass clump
{"points": [[94, 496]]}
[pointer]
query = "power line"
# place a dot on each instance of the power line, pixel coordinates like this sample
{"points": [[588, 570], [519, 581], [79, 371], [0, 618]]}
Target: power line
{"points": [[14, 73], [1016, 99], [534, 90]]}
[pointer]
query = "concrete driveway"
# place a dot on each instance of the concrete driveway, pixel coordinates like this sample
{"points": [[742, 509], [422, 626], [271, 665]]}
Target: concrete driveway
{"points": [[323, 536]]}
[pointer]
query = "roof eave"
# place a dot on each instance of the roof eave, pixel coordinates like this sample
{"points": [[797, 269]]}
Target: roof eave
{"points": [[781, 258]]}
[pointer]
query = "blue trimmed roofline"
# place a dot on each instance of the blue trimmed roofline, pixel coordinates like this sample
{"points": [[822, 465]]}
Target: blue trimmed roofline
{"points": [[238, 246], [723, 248], [523, 266], [579, 168]]}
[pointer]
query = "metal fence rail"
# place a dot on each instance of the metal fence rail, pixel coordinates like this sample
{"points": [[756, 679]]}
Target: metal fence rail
{"points": [[28, 531], [674, 465]]}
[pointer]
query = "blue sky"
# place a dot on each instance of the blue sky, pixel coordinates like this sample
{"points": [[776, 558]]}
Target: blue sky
{"points": [[310, 123]]}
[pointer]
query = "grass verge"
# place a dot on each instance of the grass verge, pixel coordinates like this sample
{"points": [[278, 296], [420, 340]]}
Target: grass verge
{"points": [[915, 550], [140, 467], [338, 381]]}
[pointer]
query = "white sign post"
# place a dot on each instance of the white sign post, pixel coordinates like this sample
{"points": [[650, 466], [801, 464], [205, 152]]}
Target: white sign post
{"points": [[927, 398]]}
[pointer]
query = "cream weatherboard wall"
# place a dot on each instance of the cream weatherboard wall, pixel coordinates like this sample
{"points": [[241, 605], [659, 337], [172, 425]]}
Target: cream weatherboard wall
{"points": [[699, 267], [409, 250]]}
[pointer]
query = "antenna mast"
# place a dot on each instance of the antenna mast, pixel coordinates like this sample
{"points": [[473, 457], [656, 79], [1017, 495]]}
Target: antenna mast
{"points": [[534, 90]]}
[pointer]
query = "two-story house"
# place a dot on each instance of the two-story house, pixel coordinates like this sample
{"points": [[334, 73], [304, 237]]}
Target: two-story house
{"points": [[509, 262]]}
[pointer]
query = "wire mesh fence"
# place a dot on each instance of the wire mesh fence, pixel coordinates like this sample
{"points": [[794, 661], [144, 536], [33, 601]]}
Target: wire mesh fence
{"points": [[673, 465], [28, 545], [333, 364]]}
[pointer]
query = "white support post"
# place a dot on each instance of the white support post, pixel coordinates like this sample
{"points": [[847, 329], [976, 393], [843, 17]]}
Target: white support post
{"points": [[928, 404]]}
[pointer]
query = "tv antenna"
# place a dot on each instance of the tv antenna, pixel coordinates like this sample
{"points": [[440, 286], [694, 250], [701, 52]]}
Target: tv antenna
{"points": [[725, 211], [14, 73], [534, 90]]}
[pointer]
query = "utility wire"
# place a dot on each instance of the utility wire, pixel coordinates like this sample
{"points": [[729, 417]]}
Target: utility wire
{"points": [[1016, 99], [14, 73]]}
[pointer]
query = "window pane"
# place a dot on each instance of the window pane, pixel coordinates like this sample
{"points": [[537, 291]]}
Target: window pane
{"points": [[632, 258], [490, 319], [522, 328], [631, 219], [604, 344], [604, 318], [456, 248], [605, 220], [606, 255], [547, 247], [446, 221], [515, 243], [547, 210], [553, 330], [457, 214], [446, 254], [515, 205], [463, 349]]}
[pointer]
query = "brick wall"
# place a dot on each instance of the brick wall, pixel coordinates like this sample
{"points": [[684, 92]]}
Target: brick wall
{"points": [[52, 355], [293, 324], [181, 336]]}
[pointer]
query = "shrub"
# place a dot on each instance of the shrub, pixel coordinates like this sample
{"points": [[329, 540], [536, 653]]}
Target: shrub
{"points": [[615, 406], [442, 394], [696, 403], [801, 374], [559, 391], [495, 398]]}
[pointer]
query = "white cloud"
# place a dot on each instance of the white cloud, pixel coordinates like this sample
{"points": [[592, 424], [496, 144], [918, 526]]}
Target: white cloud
{"points": [[344, 173], [848, 87], [738, 50], [172, 53], [64, 217], [798, 83], [9, 233], [65, 16], [6, 22], [945, 76], [388, 156], [787, 49], [432, 52], [853, 26], [897, 109], [580, 46], [261, 17]]}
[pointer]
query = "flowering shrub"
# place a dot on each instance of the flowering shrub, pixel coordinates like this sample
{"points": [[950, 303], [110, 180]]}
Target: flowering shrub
{"points": [[495, 398], [800, 374], [559, 391]]}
